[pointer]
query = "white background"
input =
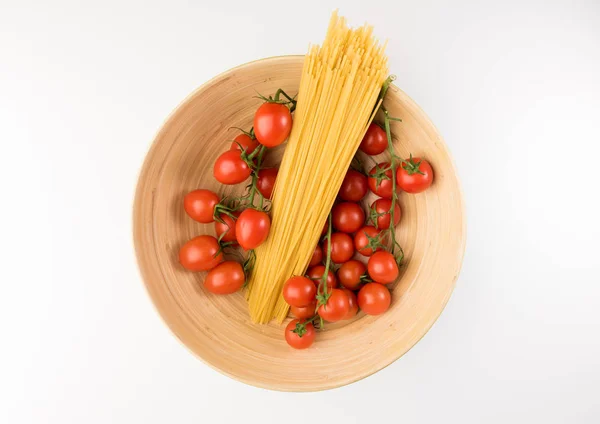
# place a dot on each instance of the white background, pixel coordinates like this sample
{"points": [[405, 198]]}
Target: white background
{"points": [[514, 88]]}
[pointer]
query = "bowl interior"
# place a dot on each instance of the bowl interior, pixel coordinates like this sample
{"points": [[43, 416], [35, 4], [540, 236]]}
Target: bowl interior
{"points": [[217, 328]]}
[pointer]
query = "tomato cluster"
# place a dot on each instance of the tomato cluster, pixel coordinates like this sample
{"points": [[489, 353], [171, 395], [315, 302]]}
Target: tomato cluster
{"points": [[358, 255], [238, 221]]}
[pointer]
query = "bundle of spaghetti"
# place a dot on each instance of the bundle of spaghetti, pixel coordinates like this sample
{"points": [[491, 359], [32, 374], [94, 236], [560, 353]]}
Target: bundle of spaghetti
{"points": [[338, 92]]}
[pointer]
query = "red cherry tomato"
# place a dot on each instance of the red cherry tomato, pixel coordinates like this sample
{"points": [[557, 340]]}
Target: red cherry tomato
{"points": [[325, 228], [383, 187], [297, 341], [317, 256], [230, 168], [316, 273], [383, 206], [200, 205], [266, 181], [382, 267], [354, 187], [248, 144], [226, 278], [336, 308], [299, 291], [352, 303], [348, 217], [304, 312], [361, 240], [227, 227], [414, 175], [342, 247], [375, 141], [252, 228], [200, 253], [272, 124], [374, 299], [349, 274]]}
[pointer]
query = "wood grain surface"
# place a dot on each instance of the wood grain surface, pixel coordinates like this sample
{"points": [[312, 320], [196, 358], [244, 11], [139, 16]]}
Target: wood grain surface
{"points": [[217, 328]]}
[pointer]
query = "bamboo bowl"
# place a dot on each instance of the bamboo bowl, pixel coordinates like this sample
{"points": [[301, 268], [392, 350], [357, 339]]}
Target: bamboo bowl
{"points": [[217, 328]]}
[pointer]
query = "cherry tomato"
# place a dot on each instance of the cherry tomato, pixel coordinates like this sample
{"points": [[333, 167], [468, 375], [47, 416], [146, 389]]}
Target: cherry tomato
{"points": [[336, 308], [317, 256], [252, 228], [414, 175], [200, 205], [272, 124], [382, 267], [383, 188], [352, 303], [230, 168], [299, 291], [374, 299], [349, 274], [375, 141], [348, 217], [354, 187], [247, 143], [342, 247], [316, 273], [325, 228], [296, 340], [383, 206], [227, 227], [226, 278], [200, 253], [361, 240], [266, 181], [304, 312]]}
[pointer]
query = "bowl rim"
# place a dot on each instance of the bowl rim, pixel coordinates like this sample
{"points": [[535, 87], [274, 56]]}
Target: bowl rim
{"points": [[256, 383]]}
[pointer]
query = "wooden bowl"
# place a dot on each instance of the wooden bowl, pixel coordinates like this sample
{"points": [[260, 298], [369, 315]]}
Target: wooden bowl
{"points": [[217, 328]]}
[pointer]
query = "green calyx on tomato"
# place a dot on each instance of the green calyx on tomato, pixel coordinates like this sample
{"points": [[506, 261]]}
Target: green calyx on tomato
{"points": [[300, 329], [288, 101], [380, 173], [412, 167]]}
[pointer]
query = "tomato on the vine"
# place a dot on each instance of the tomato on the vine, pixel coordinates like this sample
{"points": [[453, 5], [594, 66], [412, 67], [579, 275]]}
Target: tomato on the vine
{"points": [[304, 312], [299, 335], [337, 306], [316, 273], [299, 291], [361, 240], [227, 227], [380, 181], [354, 187], [414, 175], [348, 217], [382, 209], [200, 253], [200, 205], [350, 273], [272, 124], [230, 168], [382, 267], [375, 140], [246, 142], [252, 228], [342, 247], [374, 299], [226, 278], [352, 304], [317, 256], [266, 181]]}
